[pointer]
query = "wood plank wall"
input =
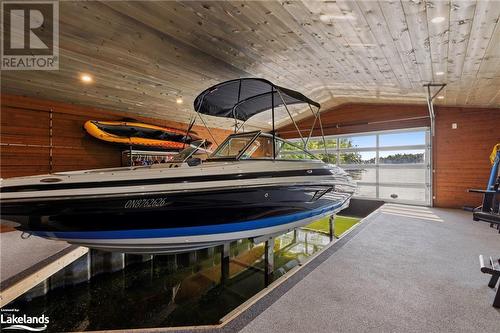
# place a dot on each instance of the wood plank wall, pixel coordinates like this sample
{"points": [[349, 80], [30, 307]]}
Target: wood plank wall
{"points": [[358, 118], [26, 142], [460, 155]]}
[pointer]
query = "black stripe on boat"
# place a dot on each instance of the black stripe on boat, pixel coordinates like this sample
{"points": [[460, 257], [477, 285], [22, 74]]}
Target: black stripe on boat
{"points": [[165, 180]]}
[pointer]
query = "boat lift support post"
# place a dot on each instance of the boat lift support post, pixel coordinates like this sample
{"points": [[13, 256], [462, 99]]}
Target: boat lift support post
{"points": [[432, 115], [224, 262], [269, 261], [268, 241], [331, 224]]}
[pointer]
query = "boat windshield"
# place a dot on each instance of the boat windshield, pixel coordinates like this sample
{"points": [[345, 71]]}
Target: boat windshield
{"points": [[257, 145], [196, 147], [286, 150]]}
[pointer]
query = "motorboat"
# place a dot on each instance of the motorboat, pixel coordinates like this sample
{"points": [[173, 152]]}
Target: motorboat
{"points": [[252, 184]]}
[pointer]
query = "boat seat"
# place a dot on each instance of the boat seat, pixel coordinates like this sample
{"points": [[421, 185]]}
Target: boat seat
{"points": [[193, 161], [189, 163], [159, 166]]}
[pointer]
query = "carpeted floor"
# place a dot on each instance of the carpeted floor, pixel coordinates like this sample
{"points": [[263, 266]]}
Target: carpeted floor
{"points": [[411, 269], [18, 254]]}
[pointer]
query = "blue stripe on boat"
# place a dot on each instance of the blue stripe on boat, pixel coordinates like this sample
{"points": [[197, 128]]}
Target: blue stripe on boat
{"points": [[188, 231]]}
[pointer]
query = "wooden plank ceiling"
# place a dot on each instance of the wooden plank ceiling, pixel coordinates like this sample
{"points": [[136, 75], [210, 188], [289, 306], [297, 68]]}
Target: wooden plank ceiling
{"points": [[143, 56]]}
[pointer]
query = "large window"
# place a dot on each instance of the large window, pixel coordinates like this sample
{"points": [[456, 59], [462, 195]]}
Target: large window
{"points": [[391, 165]]}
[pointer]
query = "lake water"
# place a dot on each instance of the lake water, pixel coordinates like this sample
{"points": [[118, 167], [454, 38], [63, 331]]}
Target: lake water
{"points": [[171, 290]]}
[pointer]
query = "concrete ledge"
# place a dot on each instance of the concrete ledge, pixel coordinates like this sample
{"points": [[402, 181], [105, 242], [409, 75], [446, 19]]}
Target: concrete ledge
{"points": [[17, 285]]}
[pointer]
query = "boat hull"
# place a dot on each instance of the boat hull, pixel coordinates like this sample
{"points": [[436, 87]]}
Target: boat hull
{"points": [[217, 205], [172, 210], [190, 237]]}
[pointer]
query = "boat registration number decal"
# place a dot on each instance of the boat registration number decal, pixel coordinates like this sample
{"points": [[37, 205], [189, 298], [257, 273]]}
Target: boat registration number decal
{"points": [[146, 203]]}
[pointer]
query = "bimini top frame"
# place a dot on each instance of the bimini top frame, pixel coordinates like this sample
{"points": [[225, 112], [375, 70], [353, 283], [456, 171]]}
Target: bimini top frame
{"points": [[243, 98], [240, 99]]}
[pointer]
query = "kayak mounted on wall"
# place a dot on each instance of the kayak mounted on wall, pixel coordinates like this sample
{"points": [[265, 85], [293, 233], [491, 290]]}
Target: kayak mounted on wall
{"points": [[140, 135]]}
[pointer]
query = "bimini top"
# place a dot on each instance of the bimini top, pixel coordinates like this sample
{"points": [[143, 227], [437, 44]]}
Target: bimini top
{"points": [[244, 98]]}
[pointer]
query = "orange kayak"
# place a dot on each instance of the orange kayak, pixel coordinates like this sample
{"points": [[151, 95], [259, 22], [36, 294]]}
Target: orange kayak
{"points": [[139, 134]]}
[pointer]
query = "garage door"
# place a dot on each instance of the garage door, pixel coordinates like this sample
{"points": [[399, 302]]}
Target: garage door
{"points": [[391, 165]]}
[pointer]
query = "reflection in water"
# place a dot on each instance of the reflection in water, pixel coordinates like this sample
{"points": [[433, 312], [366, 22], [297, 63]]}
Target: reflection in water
{"points": [[171, 290]]}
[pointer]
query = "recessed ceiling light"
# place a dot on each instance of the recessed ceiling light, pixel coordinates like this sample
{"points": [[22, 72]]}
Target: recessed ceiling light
{"points": [[439, 73], [437, 19], [359, 45], [440, 97], [179, 100], [86, 78], [327, 18]]}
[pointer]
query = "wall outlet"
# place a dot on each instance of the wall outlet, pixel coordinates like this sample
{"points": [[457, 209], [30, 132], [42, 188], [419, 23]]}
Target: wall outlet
{"points": [[454, 126]]}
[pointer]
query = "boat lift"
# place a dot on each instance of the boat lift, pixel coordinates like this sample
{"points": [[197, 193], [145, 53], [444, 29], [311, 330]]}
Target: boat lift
{"points": [[432, 115]]}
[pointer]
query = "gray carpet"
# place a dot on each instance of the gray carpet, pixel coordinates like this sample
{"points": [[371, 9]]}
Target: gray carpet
{"points": [[18, 254], [412, 269]]}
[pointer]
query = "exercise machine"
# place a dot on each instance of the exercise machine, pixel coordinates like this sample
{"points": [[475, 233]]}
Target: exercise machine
{"points": [[492, 268], [489, 211]]}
